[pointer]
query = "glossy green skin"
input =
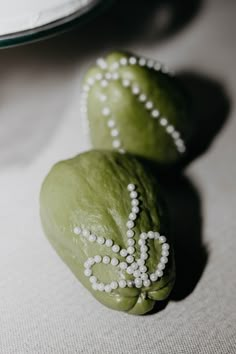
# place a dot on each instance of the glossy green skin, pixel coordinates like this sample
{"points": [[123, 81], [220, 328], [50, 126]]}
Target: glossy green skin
{"points": [[90, 191], [139, 133]]}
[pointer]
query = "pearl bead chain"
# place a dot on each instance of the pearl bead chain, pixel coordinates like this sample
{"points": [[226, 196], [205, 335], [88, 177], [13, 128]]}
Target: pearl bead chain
{"points": [[129, 264], [136, 91]]}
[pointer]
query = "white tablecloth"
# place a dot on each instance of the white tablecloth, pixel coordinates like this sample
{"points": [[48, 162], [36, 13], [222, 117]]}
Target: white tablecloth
{"points": [[43, 308]]}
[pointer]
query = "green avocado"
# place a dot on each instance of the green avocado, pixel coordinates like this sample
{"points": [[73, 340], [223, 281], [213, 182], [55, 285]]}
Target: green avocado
{"points": [[136, 105], [84, 201]]}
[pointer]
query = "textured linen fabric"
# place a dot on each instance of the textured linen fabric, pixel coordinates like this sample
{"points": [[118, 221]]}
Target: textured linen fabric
{"points": [[43, 308]]}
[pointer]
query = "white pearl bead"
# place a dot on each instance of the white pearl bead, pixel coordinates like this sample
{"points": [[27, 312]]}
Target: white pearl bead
{"points": [[144, 256], [170, 129], [155, 113], [140, 262], [137, 273], [123, 61], [95, 286], [130, 233], [147, 283], [143, 236], [116, 143], [164, 260], [115, 248], [157, 235], [87, 272], [131, 187], [90, 81], [135, 209], [181, 149], [142, 61], [133, 195], [135, 90], [101, 63], [165, 253], [179, 142], [109, 243], [162, 239], [165, 246], [151, 234], [114, 285], [159, 273], [98, 259], [132, 216], [150, 63], [163, 122], [122, 283], [161, 266], [85, 233], [130, 242], [129, 283], [165, 69], [91, 261], [149, 105], [106, 111], [144, 276], [153, 277], [111, 123], [138, 282], [123, 253], [77, 230], [157, 66], [106, 259], [135, 202], [100, 240], [129, 270], [131, 250], [101, 287], [114, 261], [143, 249], [134, 265], [126, 83], [130, 259], [130, 224], [92, 238], [176, 135], [87, 264], [107, 288], [143, 269], [142, 97], [93, 279], [114, 132], [141, 242], [132, 60], [123, 265]]}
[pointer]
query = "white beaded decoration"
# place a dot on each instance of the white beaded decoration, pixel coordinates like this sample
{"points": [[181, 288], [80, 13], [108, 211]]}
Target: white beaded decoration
{"points": [[123, 258], [108, 76]]}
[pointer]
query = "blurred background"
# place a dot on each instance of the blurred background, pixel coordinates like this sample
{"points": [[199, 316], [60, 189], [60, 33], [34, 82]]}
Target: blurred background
{"points": [[43, 309]]}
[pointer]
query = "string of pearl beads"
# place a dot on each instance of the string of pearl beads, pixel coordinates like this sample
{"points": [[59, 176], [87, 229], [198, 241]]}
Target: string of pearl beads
{"points": [[126, 261], [107, 77]]}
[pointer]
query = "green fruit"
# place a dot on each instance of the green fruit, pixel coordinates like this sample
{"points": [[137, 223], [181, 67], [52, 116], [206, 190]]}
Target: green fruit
{"points": [[134, 105], [89, 193]]}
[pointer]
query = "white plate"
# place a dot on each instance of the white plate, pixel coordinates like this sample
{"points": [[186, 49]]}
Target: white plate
{"points": [[27, 20]]}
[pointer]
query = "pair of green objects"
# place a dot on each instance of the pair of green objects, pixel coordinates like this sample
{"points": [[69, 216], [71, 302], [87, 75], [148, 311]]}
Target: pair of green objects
{"points": [[134, 107]]}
